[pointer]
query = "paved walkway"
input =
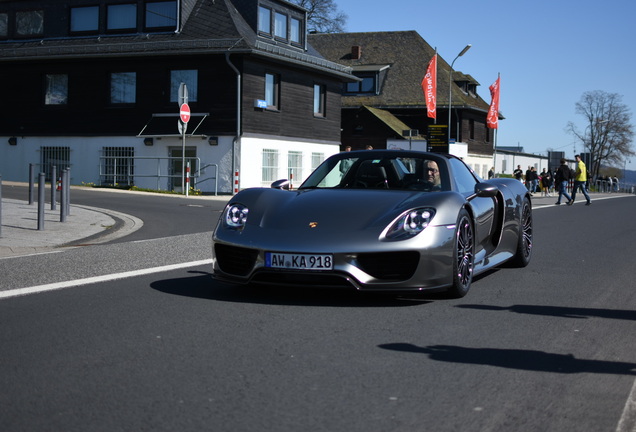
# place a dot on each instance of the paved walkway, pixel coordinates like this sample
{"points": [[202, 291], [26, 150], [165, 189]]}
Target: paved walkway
{"points": [[19, 233]]}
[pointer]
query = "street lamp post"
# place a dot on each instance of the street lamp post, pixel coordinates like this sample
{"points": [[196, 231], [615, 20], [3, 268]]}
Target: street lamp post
{"points": [[450, 87]]}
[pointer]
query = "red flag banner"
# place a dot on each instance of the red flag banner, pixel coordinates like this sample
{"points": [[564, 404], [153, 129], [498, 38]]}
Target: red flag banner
{"points": [[429, 87], [492, 120]]}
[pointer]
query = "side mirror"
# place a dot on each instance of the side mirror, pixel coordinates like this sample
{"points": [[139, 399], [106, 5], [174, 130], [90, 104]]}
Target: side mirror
{"points": [[282, 184], [485, 190]]}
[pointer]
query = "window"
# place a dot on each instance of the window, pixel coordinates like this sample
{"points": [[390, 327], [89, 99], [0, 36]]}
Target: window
{"points": [[85, 19], [56, 92], [161, 14], [319, 100], [280, 25], [272, 86], [264, 20], [187, 76], [117, 167], [122, 17], [316, 160], [463, 177], [367, 85], [295, 166], [58, 156], [4, 25], [269, 171], [295, 31], [29, 23], [123, 87]]}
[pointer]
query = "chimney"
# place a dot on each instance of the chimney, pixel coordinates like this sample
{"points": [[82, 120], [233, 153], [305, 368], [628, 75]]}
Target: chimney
{"points": [[356, 52]]}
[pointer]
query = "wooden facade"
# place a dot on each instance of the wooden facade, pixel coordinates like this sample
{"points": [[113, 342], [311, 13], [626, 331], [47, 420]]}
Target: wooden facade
{"points": [[220, 40]]}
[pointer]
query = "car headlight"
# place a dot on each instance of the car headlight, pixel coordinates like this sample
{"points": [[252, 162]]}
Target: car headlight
{"points": [[410, 224], [236, 216]]}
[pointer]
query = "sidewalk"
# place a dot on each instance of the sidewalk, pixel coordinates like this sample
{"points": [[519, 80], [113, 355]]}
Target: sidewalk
{"points": [[84, 225]]}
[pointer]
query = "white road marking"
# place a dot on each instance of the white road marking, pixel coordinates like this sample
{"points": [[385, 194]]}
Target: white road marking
{"points": [[97, 279], [538, 206], [627, 422]]}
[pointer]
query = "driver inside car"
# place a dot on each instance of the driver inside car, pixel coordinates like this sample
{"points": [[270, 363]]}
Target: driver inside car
{"points": [[433, 177]]}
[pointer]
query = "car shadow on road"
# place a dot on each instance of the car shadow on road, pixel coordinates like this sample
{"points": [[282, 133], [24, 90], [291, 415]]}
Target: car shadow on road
{"points": [[559, 311], [529, 360], [202, 285]]}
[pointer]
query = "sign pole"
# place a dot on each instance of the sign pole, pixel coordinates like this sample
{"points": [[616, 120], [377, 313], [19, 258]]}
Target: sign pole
{"points": [[183, 185], [184, 117]]}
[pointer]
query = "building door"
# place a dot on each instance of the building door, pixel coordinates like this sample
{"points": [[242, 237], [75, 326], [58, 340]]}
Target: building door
{"points": [[176, 161]]}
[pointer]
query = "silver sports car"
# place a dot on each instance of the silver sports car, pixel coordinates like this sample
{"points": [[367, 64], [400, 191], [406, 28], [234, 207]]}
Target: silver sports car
{"points": [[383, 220]]}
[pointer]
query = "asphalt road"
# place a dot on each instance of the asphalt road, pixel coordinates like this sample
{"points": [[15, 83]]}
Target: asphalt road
{"points": [[156, 344]]}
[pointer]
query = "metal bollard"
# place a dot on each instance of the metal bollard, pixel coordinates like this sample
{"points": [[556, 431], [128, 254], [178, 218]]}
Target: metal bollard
{"points": [[53, 186], [31, 187], [41, 201], [0, 206], [63, 198], [68, 191]]}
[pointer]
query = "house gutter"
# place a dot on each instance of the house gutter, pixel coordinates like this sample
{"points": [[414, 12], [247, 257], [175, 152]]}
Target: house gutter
{"points": [[178, 29], [237, 139]]}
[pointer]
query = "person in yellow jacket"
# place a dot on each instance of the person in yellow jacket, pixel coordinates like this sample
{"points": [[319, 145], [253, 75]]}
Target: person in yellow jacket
{"points": [[580, 179]]}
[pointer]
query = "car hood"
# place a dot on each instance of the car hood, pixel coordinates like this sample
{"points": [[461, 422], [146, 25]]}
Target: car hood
{"points": [[323, 215]]}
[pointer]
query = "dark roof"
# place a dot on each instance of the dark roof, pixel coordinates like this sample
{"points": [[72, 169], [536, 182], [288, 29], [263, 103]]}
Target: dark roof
{"points": [[395, 124], [206, 27], [407, 54]]}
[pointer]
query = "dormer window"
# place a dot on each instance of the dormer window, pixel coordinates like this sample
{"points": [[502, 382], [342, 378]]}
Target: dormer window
{"points": [[264, 20], [4, 25], [295, 31], [122, 17], [29, 23], [161, 14], [371, 76], [281, 23], [366, 86], [85, 19]]}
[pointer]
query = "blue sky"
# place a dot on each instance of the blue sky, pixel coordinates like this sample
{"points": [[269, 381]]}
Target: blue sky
{"points": [[548, 54]]}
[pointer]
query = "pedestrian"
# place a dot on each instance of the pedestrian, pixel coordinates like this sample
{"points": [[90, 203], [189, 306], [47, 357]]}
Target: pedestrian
{"points": [[546, 182], [580, 180], [561, 179], [529, 179], [491, 173], [534, 180], [345, 164], [518, 173]]}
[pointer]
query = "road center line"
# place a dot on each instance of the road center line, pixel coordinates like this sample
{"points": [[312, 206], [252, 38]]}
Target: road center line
{"points": [[97, 279]]}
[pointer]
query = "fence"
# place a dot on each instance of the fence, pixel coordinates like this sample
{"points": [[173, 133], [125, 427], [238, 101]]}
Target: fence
{"points": [[115, 170]]}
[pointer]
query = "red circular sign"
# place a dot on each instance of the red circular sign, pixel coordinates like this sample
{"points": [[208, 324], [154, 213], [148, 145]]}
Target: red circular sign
{"points": [[184, 113]]}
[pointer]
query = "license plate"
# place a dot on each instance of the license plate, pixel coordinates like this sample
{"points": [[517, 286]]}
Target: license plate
{"points": [[299, 261]]}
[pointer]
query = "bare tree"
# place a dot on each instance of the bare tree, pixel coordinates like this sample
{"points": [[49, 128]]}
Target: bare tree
{"points": [[323, 16], [608, 132]]}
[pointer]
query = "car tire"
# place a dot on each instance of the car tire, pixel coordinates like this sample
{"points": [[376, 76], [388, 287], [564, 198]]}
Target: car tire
{"points": [[525, 242], [463, 256]]}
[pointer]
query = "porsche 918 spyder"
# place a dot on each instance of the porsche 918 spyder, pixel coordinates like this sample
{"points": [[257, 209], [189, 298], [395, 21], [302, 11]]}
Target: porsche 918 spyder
{"points": [[383, 220]]}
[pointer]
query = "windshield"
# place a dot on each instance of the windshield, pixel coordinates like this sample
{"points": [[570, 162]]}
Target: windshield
{"points": [[381, 171]]}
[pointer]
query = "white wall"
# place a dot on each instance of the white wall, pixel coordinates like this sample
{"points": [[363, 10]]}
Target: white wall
{"points": [[86, 152], [251, 159]]}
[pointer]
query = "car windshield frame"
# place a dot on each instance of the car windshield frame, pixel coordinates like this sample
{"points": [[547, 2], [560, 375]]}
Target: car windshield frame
{"points": [[378, 169]]}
